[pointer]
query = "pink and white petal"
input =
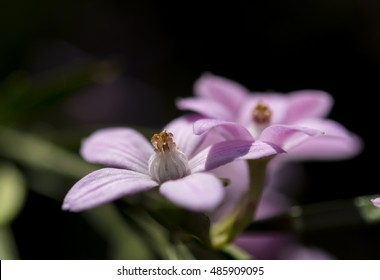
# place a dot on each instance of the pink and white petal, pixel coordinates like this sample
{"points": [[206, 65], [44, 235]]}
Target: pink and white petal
{"points": [[118, 147], [199, 192], [224, 91], [329, 127], [185, 139], [206, 107], [326, 147], [308, 104], [225, 152], [276, 102], [103, 186], [237, 174], [287, 136], [211, 138], [336, 142], [229, 130], [376, 202]]}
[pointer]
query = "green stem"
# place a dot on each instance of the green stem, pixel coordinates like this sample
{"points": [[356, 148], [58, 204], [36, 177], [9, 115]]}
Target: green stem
{"points": [[236, 253], [337, 214], [227, 229], [8, 250]]}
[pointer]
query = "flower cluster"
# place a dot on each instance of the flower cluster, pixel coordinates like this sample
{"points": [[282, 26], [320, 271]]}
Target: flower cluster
{"points": [[233, 135]]}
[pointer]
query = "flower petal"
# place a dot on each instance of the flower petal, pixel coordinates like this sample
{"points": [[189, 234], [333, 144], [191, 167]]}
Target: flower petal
{"points": [[336, 143], [329, 127], [376, 202], [226, 92], [197, 192], [326, 147], [237, 174], [185, 139], [287, 136], [105, 185], [118, 147], [206, 107], [229, 130], [263, 246], [228, 151], [307, 104], [295, 251]]}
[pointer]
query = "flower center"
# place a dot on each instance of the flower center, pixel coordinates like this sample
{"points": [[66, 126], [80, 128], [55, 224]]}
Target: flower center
{"points": [[261, 118], [163, 142], [261, 114], [168, 162]]}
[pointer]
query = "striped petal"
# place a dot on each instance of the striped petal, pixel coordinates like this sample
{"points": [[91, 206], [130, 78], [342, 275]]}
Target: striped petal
{"points": [[105, 185], [118, 147]]}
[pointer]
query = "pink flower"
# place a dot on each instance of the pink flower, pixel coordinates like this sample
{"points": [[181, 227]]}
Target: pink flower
{"points": [[294, 122], [284, 120], [281, 246], [174, 162]]}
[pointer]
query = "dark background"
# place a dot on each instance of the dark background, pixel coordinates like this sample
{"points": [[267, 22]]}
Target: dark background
{"points": [[160, 50]]}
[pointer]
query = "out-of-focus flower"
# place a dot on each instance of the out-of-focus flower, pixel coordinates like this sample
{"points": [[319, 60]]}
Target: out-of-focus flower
{"points": [[279, 246], [272, 244], [264, 245], [295, 122], [376, 202], [178, 168], [272, 117]]}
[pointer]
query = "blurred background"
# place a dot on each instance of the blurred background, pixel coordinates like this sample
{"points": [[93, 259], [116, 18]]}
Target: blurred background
{"points": [[70, 67]]}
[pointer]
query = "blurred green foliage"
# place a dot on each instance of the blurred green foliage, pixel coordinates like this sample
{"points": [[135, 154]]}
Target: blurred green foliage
{"points": [[12, 193]]}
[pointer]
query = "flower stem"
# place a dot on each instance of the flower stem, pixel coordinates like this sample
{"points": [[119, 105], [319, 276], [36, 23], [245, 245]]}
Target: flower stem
{"points": [[227, 229]]}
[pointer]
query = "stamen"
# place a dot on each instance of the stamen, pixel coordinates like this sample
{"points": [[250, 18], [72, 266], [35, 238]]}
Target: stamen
{"points": [[261, 114], [163, 142], [261, 119], [168, 162]]}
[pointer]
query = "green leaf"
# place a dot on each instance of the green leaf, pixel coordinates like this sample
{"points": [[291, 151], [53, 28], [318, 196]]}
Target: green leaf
{"points": [[124, 240], [236, 253], [368, 212], [168, 244], [8, 250], [337, 214], [155, 236], [183, 222], [38, 153], [12, 193]]}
